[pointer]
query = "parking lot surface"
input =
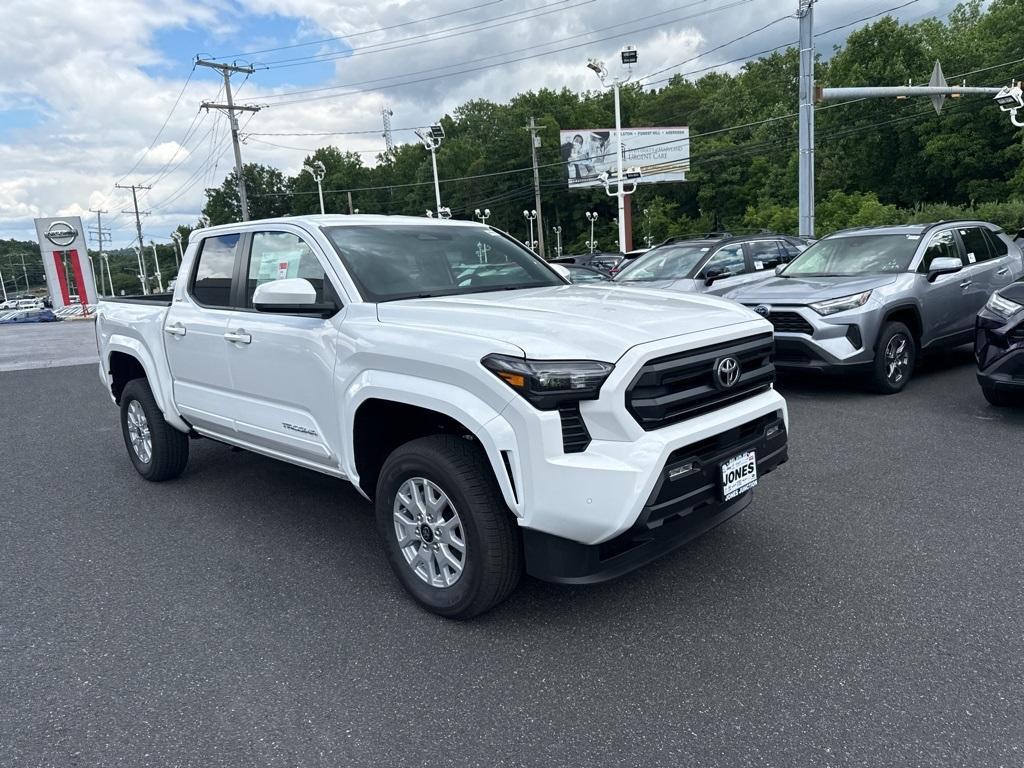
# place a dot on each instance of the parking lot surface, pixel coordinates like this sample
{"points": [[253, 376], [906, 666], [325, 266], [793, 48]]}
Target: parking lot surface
{"points": [[866, 610], [47, 345]]}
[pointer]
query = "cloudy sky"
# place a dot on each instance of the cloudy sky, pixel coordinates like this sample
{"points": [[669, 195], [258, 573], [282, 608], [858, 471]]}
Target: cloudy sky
{"points": [[100, 91]]}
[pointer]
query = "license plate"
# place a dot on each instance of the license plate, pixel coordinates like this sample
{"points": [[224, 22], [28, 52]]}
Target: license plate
{"points": [[739, 474]]}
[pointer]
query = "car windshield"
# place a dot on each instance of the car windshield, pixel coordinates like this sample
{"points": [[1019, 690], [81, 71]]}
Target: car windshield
{"points": [[664, 263], [411, 261], [855, 255]]}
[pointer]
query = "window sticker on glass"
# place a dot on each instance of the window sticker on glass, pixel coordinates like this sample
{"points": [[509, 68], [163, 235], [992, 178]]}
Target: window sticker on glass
{"points": [[971, 257], [913, 237], [758, 265]]}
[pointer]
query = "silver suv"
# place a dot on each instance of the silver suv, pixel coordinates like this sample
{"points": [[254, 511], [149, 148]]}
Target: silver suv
{"points": [[871, 299]]}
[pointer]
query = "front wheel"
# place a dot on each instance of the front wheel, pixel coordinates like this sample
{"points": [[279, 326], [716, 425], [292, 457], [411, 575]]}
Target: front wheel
{"points": [[157, 450], [447, 531], [895, 356]]}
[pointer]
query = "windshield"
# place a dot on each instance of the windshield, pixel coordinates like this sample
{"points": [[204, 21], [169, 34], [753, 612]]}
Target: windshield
{"points": [[855, 255], [665, 263], [410, 261]]}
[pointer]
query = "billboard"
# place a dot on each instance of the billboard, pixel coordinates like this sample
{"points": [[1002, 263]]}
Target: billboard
{"points": [[662, 154], [66, 261]]}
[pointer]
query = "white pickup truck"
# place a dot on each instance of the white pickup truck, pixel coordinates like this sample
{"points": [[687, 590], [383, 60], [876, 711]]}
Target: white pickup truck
{"points": [[498, 418]]}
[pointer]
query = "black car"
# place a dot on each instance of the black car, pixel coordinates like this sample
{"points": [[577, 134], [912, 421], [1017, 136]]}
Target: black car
{"points": [[999, 346]]}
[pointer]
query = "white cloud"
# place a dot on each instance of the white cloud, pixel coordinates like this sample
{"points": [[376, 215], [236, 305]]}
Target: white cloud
{"points": [[85, 69]]}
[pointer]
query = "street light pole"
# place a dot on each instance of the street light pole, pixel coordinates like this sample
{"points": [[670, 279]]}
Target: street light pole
{"points": [[142, 270], [558, 241], [483, 216], [629, 57], [178, 254], [432, 140], [318, 170], [592, 218], [531, 216], [156, 260]]}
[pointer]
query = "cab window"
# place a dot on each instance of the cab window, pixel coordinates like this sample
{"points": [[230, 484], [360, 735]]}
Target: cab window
{"points": [[975, 245], [766, 254], [942, 244], [996, 243], [282, 255], [727, 259], [211, 282]]}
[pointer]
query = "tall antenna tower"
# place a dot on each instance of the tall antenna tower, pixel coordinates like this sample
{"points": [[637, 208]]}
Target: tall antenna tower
{"points": [[389, 140]]}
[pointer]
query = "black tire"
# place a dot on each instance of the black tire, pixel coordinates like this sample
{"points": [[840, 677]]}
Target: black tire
{"points": [[881, 379], [1000, 398], [169, 446], [493, 559]]}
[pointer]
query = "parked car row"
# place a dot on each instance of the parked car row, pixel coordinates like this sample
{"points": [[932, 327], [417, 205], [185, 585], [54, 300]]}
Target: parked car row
{"points": [[868, 301], [23, 303]]}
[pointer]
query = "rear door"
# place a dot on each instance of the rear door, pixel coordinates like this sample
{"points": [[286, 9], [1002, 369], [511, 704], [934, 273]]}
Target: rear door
{"points": [[979, 275], [945, 301], [1007, 258], [194, 331], [282, 365]]}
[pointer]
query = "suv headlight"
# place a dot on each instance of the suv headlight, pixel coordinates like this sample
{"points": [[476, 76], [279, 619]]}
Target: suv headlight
{"points": [[548, 384], [1003, 306], [832, 306]]}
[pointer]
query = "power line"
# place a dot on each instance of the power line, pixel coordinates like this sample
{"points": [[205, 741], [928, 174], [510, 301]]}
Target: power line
{"points": [[458, 31], [534, 47], [246, 54], [732, 4]]}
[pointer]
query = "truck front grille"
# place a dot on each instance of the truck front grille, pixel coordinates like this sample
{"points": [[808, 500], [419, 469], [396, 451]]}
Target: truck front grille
{"points": [[677, 387]]}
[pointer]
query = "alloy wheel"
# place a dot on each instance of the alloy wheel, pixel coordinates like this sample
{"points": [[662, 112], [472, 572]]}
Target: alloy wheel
{"points": [[429, 532], [138, 432], [897, 358]]}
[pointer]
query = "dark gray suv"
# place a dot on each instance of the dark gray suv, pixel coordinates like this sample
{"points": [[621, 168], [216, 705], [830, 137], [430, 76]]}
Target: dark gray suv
{"points": [[871, 299]]}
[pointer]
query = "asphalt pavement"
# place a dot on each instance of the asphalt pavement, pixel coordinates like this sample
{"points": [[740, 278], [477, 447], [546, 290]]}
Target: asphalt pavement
{"points": [[866, 610], [47, 345]]}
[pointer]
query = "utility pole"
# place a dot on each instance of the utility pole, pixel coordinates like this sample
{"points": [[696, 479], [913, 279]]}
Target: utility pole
{"points": [[534, 143], [24, 271], [100, 237], [389, 139], [231, 109], [806, 181], [138, 228]]}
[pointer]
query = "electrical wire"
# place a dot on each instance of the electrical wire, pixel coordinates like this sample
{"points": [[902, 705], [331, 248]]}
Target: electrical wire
{"points": [[246, 54]]}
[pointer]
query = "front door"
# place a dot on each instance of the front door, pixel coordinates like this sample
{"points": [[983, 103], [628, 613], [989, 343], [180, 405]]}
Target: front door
{"points": [[731, 263], [194, 331], [282, 365]]}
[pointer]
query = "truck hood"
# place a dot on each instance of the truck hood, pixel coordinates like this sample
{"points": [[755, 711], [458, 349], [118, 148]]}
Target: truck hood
{"points": [[595, 322], [806, 290], [671, 284]]}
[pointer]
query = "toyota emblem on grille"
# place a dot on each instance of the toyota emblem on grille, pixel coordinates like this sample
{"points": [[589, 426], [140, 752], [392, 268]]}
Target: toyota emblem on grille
{"points": [[727, 372], [763, 310]]}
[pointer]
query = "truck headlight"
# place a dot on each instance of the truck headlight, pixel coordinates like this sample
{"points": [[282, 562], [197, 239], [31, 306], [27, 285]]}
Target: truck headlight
{"points": [[1003, 306], [832, 306], [548, 384]]}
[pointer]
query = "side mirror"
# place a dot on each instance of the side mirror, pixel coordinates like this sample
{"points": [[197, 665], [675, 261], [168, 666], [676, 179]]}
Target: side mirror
{"points": [[779, 269], [294, 295], [562, 271], [943, 265], [715, 274]]}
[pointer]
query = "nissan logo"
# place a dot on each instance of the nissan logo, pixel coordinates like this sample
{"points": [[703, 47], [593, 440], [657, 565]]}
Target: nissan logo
{"points": [[727, 372], [61, 233], [763, 310]]}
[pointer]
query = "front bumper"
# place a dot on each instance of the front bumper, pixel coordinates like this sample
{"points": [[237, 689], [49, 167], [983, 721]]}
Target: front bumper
{"points": [[999, 351], [686, 502], [842, 341]]}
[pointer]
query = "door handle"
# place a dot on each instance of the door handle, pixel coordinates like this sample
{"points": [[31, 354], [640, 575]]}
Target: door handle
{"points": [[238, 337], [1003, 271], [966, 283], [175, 330]]}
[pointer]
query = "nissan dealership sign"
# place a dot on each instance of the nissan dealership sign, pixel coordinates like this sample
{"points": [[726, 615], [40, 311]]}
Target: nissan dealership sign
{"points": [[66, 261]]}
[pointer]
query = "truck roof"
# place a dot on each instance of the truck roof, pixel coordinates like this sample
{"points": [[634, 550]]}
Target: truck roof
{"points": [[344, 219]]}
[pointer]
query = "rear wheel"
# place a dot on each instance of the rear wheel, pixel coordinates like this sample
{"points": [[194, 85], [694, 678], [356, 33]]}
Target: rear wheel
{"points": [[447, 531], [1000, 398], [157, 450], [895, 356]]}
